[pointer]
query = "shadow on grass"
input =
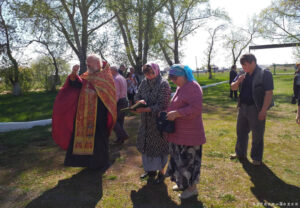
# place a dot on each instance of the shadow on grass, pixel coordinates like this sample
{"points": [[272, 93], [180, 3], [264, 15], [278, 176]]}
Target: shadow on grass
{"points": [[32, 153], [268, 188], [150, 196], [83, 189]]}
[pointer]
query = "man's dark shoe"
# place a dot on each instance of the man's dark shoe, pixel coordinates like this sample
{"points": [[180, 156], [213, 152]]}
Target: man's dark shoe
{"points": [[149, 173]]}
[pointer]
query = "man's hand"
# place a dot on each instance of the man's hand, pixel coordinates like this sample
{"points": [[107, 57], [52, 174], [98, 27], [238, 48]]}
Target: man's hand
{"points": [[241, 78], [75, 69], [235, 85], [262, 115], [267, 101]]}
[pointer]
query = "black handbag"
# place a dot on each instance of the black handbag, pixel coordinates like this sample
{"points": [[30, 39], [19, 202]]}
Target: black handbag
{"points": [[164, 125]]}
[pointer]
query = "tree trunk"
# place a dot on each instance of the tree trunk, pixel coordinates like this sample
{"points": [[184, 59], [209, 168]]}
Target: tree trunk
{"points": [[55, 82], [210, 73], [168, 59], [209, 68], [82, 59], [138, 66], [55, 78], [16, 89], [176, 53]]}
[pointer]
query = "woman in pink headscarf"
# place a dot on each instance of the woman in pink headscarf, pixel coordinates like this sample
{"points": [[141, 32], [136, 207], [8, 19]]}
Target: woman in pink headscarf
{"points": [[155, 92]]}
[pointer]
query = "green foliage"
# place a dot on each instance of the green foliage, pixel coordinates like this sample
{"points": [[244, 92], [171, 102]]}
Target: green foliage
{"points": [[74, 22], [280, 21], [26, 79], [179, 19], [44, 70], [4, 76], [38, 76], [135, 25]]}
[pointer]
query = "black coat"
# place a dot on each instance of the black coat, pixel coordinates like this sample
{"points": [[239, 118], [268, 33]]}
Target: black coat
{"points": [[232, 76]]}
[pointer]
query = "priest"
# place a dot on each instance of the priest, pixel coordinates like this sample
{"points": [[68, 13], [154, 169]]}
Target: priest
{"points": [[84, 113]]}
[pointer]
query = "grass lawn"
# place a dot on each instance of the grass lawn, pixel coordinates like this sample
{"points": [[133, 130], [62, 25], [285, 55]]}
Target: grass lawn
{"points": [[28, 107], [32, 172]]}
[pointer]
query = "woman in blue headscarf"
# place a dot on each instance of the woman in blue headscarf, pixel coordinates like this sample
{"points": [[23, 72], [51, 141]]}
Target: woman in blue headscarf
{"points": [[185, 144]]}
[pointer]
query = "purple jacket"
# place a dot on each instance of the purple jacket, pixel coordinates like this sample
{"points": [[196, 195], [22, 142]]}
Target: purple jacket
{"points": [[189, 128]]}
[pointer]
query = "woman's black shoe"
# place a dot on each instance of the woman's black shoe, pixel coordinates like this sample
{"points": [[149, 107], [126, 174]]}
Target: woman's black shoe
{"points": [[160, 178], [149, 173]]}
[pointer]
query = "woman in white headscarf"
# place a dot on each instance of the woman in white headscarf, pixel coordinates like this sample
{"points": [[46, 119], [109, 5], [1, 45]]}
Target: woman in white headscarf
{"points": [[155, 92]]}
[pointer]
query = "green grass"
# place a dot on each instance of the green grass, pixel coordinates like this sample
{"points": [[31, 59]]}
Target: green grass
{"points": [[216, 77], [282, 69], [28, 107], [203, 80], [32, 174]]}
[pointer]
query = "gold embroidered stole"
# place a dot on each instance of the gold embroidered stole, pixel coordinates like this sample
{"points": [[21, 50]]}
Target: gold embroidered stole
{"points": [[99, 84]]}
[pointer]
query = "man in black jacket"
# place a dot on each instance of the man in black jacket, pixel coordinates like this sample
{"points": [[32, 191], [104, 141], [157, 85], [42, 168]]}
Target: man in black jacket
{"points": [[232, 76], [256, 92]]}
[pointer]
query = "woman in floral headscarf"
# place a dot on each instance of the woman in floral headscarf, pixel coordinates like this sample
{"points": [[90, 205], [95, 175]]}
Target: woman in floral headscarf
{"points": [[185, 144], [155, 92]]}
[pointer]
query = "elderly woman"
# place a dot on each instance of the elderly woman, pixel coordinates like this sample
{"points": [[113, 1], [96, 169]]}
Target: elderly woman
{"points": [[155, 92], [185, 144]]}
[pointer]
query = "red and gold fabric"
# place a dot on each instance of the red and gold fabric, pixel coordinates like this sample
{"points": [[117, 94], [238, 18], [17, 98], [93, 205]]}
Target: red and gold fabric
{"points": [[82, 103], [99, 84]]}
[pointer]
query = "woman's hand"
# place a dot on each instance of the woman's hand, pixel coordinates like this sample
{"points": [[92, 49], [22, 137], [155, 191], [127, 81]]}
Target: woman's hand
{"points": [[172, 115], [141, 101]]}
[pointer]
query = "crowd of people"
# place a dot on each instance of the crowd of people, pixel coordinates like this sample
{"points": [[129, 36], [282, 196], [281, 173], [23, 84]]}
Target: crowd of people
{"points": [[88, 108]]}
